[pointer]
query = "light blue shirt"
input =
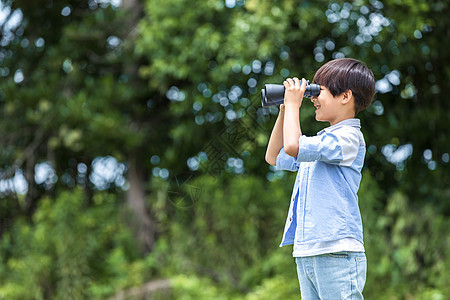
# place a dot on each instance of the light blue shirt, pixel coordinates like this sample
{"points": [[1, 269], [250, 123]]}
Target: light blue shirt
{"points": [[324, 204]]}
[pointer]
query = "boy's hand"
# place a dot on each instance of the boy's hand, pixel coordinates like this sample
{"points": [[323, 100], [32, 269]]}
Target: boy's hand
{"points": [[295, 90], [282, 108]]}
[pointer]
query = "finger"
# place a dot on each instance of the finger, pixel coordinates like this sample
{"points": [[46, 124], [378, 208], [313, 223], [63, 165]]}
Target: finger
{"points": [[286, 84], [303, 82], [303, 87], [291, 82], [297, 82]]}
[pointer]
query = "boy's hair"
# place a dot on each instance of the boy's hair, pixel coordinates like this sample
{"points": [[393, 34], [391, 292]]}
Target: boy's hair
{"points": [[344, 74]]}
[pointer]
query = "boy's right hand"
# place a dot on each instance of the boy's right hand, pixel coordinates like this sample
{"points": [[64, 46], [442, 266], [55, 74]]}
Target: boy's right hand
{"points": [[295, 89]]}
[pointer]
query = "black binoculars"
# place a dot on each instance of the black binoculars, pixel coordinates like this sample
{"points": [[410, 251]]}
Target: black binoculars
{"points": [[273, 94]]}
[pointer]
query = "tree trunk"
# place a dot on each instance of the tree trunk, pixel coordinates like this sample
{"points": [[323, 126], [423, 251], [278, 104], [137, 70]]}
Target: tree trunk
{"points": [[136, 195], [136, 202]]}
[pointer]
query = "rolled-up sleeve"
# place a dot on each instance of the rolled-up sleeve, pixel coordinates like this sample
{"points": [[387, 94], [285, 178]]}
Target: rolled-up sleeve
{"points": [[286, 162], [340, 147]]}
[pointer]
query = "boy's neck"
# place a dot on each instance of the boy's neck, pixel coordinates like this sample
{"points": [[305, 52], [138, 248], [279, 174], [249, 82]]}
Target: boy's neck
{"points": [[347, 116]]}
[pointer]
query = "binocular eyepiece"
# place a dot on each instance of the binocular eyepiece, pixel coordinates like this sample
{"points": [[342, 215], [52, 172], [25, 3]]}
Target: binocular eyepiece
{"points": [[273, 94]]}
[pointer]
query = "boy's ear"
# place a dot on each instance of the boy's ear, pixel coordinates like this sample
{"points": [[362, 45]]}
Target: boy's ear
{"points": [[347, 97]]}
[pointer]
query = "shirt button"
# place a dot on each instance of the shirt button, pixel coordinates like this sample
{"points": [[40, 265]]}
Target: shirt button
{"points": [[290, 219]]}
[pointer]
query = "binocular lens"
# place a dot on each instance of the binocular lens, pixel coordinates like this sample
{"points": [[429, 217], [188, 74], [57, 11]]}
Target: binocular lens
{"points": [[273, 94]]}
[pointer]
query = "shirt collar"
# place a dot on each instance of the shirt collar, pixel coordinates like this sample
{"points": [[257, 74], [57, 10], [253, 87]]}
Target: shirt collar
{"points": [[349, 122]]}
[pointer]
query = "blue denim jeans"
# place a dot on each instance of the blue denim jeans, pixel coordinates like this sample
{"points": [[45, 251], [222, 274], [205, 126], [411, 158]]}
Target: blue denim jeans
{"points": [[332, 276]]}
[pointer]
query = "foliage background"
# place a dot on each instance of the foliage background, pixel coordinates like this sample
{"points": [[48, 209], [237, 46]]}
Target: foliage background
{"points": [[132, 145]]}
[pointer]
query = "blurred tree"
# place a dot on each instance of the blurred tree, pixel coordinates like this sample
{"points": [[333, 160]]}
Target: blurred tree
{"points": [[177, 95], [69, 94]]}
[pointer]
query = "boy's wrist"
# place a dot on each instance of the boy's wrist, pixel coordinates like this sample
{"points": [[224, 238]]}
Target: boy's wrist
{"points": [[292, 105]]}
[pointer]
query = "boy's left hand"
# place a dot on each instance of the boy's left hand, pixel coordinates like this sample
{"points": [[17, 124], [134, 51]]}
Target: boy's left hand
{"points": [[294, 92]]}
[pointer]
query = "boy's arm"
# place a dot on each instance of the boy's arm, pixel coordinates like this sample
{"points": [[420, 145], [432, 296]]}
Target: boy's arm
{"points": [[291, 128], [276, 139]]}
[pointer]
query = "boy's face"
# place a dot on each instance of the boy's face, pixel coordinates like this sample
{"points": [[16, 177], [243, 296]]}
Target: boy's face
{"points": [[328, 107]]}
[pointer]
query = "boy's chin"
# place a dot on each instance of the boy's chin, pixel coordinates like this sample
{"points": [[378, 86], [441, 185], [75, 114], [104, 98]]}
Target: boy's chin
{"points": [[322, 120], [319, 119]]}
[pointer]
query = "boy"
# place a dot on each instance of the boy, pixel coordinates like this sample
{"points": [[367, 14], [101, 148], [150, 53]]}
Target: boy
{"points": [[324, 223]]}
